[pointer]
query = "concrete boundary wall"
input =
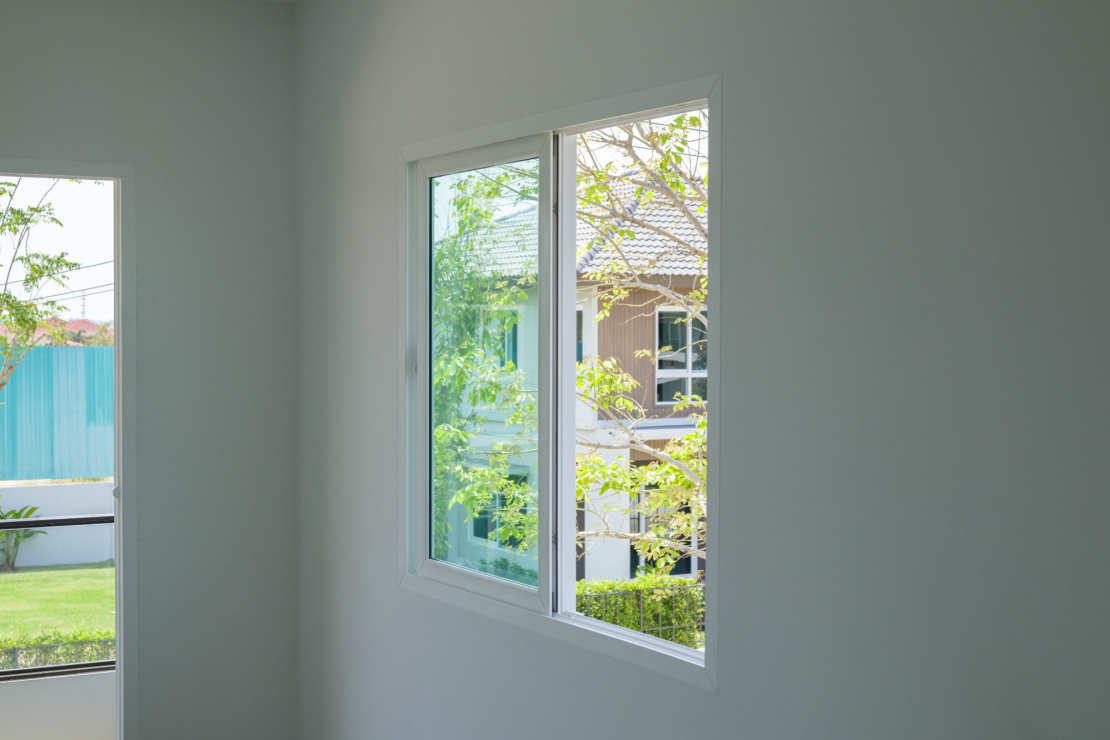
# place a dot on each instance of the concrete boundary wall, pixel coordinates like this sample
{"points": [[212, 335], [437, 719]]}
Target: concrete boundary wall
{"points": [[62, 545]]}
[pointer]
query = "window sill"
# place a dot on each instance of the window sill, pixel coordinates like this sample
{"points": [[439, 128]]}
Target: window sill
{"points": [[660, 656], [72, 669]]}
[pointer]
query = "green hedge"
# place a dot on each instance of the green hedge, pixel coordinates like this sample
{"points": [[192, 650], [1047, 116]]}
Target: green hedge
{"points": [[55, 647], [664, 606], [504, 568], [53, 637]]}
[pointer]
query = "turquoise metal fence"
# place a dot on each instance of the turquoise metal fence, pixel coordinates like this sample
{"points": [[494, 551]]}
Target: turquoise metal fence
{"points": [[58, 413]]}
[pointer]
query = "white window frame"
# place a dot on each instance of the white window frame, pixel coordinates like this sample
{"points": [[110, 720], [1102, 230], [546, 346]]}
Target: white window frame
{"points": [[689, 373], [423, 565], [547, 135]]}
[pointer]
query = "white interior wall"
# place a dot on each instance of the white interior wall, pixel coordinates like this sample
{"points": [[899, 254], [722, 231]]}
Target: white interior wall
{"points": [[913, 474], [197, 96]]}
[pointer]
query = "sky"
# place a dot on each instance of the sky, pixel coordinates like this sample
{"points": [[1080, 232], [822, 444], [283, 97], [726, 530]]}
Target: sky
{"points": [[86, 210]]}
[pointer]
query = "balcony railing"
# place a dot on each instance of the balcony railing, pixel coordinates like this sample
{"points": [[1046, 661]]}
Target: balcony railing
{"points": [[673, 613], [40, 656]]}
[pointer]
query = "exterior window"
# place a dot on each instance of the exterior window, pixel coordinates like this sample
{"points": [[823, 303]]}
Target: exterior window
{"points": [[556, 415], [501, 334], [642, 521], [578, 329], [682, 356]]}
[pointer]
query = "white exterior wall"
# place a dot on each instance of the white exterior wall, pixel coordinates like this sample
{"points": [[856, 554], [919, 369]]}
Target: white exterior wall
{"points": [[605, 558], [608, 557], [91, 543], [587, 303]]}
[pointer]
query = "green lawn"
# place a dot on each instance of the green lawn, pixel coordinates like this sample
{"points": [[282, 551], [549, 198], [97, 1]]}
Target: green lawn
{"points": [[58, 598]]}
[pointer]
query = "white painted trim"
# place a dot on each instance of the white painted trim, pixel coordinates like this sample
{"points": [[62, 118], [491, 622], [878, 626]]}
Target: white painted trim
{"points": [[122, 177], [716, 263], [693, 667], [408, 411], [481, 584], [581, 117], [565, 503], [526, 147], [650, 653], [546, 396]]}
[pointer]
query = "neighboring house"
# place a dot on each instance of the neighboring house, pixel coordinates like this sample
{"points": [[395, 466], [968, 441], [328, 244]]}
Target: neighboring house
{"points": [[677, 361], [511, 249], [642, 321], [86, 329], [84, 326]]}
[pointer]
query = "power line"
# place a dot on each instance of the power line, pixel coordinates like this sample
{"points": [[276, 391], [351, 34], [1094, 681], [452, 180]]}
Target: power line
{"points": [[99, 292], [75, 269], [82, 267], [63, 272], [72, 293]]}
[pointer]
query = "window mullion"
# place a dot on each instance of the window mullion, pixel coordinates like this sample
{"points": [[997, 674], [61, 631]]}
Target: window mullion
{"points": [[564, 502]]}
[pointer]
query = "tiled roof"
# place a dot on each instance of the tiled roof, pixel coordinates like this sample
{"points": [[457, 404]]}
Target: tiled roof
{"points": [[73, 327], [511, 241], [669, 257], [82, 325]]}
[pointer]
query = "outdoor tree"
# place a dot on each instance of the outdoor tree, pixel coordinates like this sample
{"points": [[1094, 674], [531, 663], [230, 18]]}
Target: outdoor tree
{"points": [[625, 174], [27, 272], [104, 336], [473, 381]]}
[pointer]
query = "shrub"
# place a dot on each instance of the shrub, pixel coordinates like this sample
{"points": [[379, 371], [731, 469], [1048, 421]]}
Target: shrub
{"points": [[505, 568], [11, 539], [55, 647], [23, 639], [664, 606]]}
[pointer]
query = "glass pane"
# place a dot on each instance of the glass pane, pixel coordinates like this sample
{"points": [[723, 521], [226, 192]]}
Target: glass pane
{"points": [[57, 424], [700, 388], [485, 364], [672, 340], [58, 600], [643, 269], [578, 320], [500, 335], [668, 389]]}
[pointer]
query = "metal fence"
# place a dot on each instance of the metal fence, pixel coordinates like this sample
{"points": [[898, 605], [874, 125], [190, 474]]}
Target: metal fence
{"points": [[66, 653], [674, 613], [57, 415]]}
